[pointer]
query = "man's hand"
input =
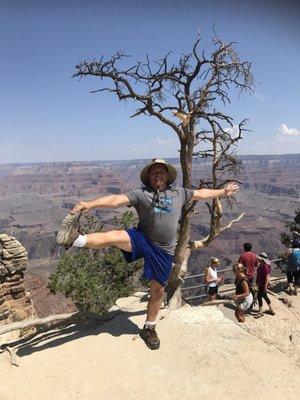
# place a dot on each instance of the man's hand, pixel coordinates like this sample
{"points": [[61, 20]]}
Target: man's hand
{"points": [[82, 205], [231, 189]]}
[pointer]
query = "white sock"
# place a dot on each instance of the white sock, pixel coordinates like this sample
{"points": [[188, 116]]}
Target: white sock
{"points": [[80, 241], [150, 324]]}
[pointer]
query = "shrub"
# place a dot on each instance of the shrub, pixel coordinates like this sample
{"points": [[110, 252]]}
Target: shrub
{"points": [[95, 279]]}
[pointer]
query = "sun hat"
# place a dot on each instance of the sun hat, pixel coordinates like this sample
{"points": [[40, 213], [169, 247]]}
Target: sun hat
{"points": [[171, 171], [264, 257]]}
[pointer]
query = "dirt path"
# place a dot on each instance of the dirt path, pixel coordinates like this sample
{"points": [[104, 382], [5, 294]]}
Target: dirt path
{"points": [[202, 354]]}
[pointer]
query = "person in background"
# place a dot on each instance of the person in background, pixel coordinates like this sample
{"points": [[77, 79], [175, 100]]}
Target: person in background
{"points": [[292, 255], [262, 281], [211, 279], [242, 297], [249, 261]]}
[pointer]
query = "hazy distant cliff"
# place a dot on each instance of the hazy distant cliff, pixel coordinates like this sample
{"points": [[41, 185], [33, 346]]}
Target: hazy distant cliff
{"points": [[35, 197]]}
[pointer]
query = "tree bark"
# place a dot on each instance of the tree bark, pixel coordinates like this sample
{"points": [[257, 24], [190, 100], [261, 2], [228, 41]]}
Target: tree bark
{"points": [[35, 322], [182, 251]]}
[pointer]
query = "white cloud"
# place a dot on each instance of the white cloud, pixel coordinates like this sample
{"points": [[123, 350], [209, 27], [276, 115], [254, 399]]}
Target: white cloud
{"points": [[159, 140], [288, 132], [233, 131]]}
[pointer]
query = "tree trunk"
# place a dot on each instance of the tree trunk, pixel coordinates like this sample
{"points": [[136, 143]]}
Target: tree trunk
{"points": [[182, 251], [182, 254]]}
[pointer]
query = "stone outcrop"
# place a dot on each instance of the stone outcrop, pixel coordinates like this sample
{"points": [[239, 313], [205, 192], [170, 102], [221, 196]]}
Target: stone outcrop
{"points": [[15, 302]]}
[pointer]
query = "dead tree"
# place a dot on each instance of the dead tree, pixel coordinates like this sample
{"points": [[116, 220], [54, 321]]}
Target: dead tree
{"points": [[189, 96]]}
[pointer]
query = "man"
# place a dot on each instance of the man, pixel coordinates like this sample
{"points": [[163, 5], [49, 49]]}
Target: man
{"points": [[292, 255], [249, 261], [158, 206]]}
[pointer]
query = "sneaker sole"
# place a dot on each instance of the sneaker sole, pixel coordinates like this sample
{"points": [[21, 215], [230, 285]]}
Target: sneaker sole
{"points": [[63, 233]]}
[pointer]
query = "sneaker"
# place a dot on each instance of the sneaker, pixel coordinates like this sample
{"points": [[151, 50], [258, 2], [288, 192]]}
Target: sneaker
{"points": [[270, 312], [258, 315], [150, 337], [69, 230]]}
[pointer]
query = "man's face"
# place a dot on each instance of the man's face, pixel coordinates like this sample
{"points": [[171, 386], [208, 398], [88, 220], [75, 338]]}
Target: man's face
{"points": [[158, 176]]}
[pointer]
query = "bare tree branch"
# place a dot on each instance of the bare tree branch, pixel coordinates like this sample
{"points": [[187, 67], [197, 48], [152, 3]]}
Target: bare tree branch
{"points": [[80, 315], [197, 244]]}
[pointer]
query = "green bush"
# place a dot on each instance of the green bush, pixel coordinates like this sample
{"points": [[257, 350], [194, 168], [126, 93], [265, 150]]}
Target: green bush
{"points": [[95, 279]]}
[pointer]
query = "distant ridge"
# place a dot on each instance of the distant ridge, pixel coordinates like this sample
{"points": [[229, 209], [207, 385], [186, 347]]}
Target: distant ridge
{"points": [[140, 160]]}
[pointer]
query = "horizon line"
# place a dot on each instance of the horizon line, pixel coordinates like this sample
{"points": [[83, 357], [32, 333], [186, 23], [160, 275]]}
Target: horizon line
{"points": [[128, 159]]}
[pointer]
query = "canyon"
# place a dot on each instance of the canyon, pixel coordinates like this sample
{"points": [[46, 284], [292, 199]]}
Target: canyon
{"points": [[35, 197]]}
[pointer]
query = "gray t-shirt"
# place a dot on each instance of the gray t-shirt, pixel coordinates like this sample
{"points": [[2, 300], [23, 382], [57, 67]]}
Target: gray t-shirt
{"points": [[159, 213]]}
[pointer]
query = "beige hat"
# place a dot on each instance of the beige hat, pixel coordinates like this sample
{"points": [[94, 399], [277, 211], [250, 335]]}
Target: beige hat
{"points": [[171, 171], [264, 258]]}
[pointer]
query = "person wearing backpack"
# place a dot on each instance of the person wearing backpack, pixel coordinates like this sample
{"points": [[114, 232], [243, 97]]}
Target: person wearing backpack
{"points": [[292, 255]]}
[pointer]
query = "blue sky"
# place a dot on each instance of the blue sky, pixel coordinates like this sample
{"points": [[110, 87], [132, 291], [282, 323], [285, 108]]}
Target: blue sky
{"points": [[45, 115]]}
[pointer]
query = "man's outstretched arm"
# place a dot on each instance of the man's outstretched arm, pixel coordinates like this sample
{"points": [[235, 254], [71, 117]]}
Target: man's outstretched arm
{"points": [[203, 194], [113, 201]]}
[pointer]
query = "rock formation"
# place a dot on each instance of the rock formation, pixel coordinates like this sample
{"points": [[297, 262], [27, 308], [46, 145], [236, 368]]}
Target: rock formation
{"points": [[15, 302]]}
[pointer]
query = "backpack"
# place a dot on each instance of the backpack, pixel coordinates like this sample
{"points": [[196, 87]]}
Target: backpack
{"points": [[294, 261]]}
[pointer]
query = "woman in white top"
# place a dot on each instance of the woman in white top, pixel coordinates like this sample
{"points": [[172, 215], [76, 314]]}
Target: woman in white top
{"points": [[211, 279]]}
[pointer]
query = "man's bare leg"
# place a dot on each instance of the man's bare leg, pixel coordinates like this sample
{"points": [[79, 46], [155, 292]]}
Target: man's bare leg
{"points": [[148, 333], [100, 240], [154, 303], [69, 235], [121, 239]]}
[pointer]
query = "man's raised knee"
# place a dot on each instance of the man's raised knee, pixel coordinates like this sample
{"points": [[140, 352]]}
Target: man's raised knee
{"points": [[120, 239]]}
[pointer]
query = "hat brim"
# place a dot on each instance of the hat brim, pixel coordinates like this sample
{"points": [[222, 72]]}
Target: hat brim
{"points": [[266, 261], [171, 172]]}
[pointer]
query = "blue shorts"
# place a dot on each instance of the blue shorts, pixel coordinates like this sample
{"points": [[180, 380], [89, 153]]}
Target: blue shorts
{"points": [[157, 262]]}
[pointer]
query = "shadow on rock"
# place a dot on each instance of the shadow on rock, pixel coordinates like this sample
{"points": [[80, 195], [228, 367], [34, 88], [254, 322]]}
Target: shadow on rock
{"points": [[61, 333]]}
